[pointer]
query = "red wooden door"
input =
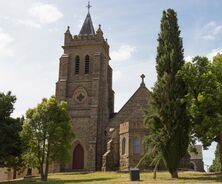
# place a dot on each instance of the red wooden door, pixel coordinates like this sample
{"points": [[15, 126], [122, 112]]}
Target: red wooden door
{"points": [[78, 157]]}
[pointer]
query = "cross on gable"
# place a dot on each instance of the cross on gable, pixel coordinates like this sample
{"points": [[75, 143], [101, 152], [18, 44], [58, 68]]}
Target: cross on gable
{"points": [[142, 77]]}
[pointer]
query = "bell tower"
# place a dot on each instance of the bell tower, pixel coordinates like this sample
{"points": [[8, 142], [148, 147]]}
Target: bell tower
{"points": [[85, 82]]}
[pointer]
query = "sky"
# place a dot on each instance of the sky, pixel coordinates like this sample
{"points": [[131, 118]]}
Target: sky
{"points": [[32, 33]]}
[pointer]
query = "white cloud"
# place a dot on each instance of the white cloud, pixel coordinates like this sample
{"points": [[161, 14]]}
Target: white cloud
{"points": [[188, 58], [40, 14], [28, 23], [213, 53], [208, 37], [53, 29], [123, 53], [5, 40], [209, 55], [211, 30], [45, 13], [117, 75], [25, 22], [217, 29]]}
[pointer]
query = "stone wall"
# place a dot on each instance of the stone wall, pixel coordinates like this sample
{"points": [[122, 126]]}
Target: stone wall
{"points": [[132, 127], [6, 174], [90, 96], [197, 165], [112, 156]]}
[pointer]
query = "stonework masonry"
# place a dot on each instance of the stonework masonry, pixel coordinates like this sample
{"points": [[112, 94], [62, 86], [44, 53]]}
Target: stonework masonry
{"points": [[104, 139], [89, 95]]}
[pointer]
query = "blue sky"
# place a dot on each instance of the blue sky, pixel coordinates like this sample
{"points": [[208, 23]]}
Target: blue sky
{"points": [[32, 32]]}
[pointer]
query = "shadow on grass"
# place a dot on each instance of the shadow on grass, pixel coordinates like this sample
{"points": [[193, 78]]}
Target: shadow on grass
{"points": [[59, 181], [210, 177], [71, 173]]}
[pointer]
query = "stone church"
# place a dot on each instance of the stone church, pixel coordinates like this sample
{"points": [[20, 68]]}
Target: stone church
{"points": [[105, 140]]}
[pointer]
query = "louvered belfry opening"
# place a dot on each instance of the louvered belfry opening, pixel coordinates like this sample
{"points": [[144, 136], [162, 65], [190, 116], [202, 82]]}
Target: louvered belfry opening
{"points": [[86, 64], [77, 65]]}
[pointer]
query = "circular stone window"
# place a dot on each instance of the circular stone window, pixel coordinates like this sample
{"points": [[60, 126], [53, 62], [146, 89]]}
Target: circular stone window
{"points": [[80, 95]]}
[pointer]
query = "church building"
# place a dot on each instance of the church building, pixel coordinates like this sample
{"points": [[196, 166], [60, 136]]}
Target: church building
{"points": [[104, 140]]}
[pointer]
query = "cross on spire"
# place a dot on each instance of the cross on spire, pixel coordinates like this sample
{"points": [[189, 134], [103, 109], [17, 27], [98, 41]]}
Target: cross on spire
{"points": [[88, 6]]}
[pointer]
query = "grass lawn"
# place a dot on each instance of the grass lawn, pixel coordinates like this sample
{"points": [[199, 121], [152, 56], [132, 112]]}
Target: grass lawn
{"points": [[123, 178]]}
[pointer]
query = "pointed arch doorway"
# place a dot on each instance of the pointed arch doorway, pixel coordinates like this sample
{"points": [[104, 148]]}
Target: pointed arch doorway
{"points": [[78, 157]]}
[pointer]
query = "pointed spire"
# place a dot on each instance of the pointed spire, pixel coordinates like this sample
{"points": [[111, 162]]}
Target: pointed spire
{"points": [[87, 27]]}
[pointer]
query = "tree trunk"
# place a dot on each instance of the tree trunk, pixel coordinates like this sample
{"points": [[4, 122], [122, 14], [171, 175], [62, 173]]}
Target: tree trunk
{"points": [[14, 173], [47, 164], [41, 172], [154, 174], [43, 160], [220, 150], [174, 174], [155, 168], [46, 171]]}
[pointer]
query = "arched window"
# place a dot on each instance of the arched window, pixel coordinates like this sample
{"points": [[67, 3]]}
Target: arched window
{"points": [[87, 64], [77, 65], [124, 146], [136, 145], [193, 165], [105, 133]]}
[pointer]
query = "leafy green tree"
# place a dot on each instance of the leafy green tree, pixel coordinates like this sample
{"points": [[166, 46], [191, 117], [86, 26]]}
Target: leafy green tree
{"points": [[47, 133], [217, 129], [10, 142], [7, 105], [204, 81], [167, 120], [216, 166]]}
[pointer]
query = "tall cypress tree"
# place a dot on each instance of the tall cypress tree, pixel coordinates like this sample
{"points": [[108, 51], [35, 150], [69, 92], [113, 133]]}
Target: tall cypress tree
{"points": [[167, 119], [216, 166]]}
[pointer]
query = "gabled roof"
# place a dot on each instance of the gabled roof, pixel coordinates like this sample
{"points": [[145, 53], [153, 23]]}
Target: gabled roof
{"points": [[138, 101], [87, 27]]}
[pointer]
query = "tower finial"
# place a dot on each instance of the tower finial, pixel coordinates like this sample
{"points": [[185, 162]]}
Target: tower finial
{"points": [[67, 31], [142, 83], [88, 6]]}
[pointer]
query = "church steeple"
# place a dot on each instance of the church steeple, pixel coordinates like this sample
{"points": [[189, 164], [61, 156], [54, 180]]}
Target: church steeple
{"points": [[85, 82], [87, 27]]}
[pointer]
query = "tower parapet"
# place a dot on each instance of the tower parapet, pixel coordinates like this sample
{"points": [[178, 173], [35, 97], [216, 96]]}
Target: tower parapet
{"points": [[87, 39]]}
